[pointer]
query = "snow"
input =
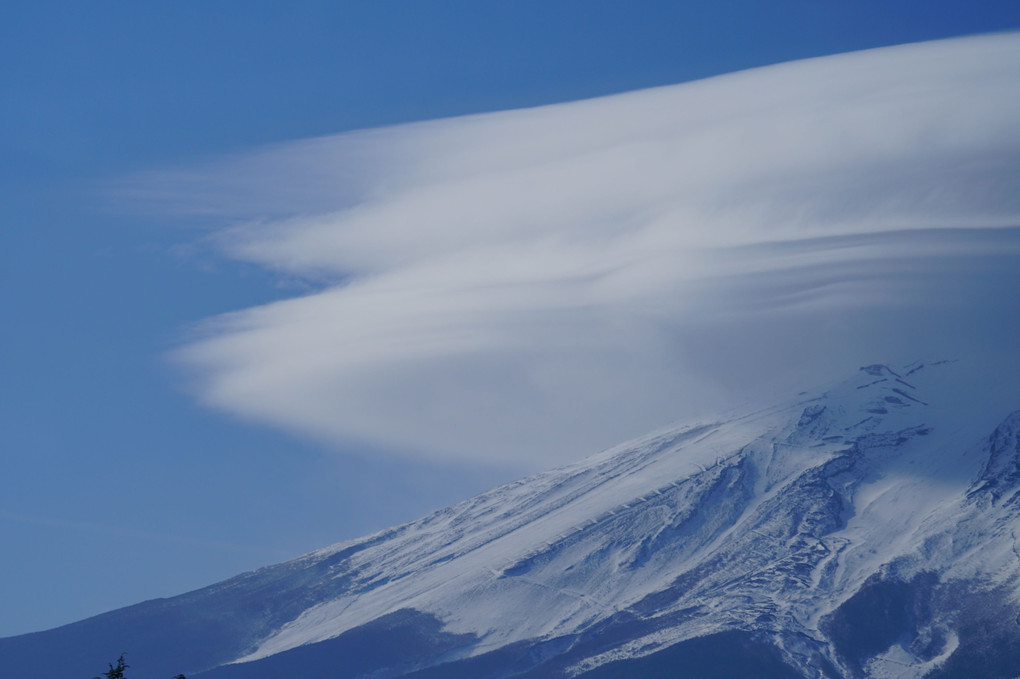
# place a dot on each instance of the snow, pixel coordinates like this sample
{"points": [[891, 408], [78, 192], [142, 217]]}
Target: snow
{"points": [[782, 514], [790, 525]]}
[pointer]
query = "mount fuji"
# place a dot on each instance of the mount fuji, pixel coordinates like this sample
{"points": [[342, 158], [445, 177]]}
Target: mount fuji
{"points": [[867, 529]]}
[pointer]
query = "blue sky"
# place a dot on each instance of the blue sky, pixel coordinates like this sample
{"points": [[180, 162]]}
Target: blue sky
{"points": [[117, 484]]}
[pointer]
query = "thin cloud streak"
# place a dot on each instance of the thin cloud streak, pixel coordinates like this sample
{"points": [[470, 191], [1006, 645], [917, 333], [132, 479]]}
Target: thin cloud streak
{"points": [[528, 286]]}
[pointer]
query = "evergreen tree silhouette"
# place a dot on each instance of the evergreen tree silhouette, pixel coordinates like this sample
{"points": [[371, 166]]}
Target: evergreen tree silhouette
{"points": [[117, 671]]}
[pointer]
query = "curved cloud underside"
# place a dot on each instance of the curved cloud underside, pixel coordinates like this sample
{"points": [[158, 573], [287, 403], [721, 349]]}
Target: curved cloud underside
{"points": [[528, 286]]}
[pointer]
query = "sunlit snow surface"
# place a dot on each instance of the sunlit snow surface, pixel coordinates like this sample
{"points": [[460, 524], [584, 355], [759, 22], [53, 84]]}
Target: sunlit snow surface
{"points": [[865, 529], [764, 522]]}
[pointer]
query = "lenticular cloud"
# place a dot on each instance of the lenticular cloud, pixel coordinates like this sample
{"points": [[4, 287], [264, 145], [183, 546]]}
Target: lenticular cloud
{"points": [[527, 286]]}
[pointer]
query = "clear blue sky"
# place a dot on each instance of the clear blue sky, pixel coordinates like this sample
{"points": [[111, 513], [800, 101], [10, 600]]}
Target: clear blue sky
{"points": [[114, 485]]}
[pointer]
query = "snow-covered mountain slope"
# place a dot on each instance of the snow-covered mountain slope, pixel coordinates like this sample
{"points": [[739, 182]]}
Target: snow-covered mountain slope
{"points": [[864, 530]]}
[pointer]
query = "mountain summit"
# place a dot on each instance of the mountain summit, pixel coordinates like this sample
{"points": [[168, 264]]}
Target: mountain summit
{"points": [[866, 530]]}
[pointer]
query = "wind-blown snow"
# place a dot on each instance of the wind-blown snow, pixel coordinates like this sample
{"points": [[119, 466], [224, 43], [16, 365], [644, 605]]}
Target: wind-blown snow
{"points": [[531, 285]]}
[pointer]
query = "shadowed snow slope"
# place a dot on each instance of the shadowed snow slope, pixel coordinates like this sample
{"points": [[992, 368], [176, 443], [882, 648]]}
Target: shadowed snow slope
{"points": [[863, 530]]}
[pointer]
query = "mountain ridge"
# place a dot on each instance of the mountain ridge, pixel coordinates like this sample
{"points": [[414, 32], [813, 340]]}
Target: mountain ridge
{"points": [[771, 538]]}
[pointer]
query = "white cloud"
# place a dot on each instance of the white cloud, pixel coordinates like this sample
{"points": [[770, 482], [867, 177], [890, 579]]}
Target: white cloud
{"points": [[533, 285]]}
